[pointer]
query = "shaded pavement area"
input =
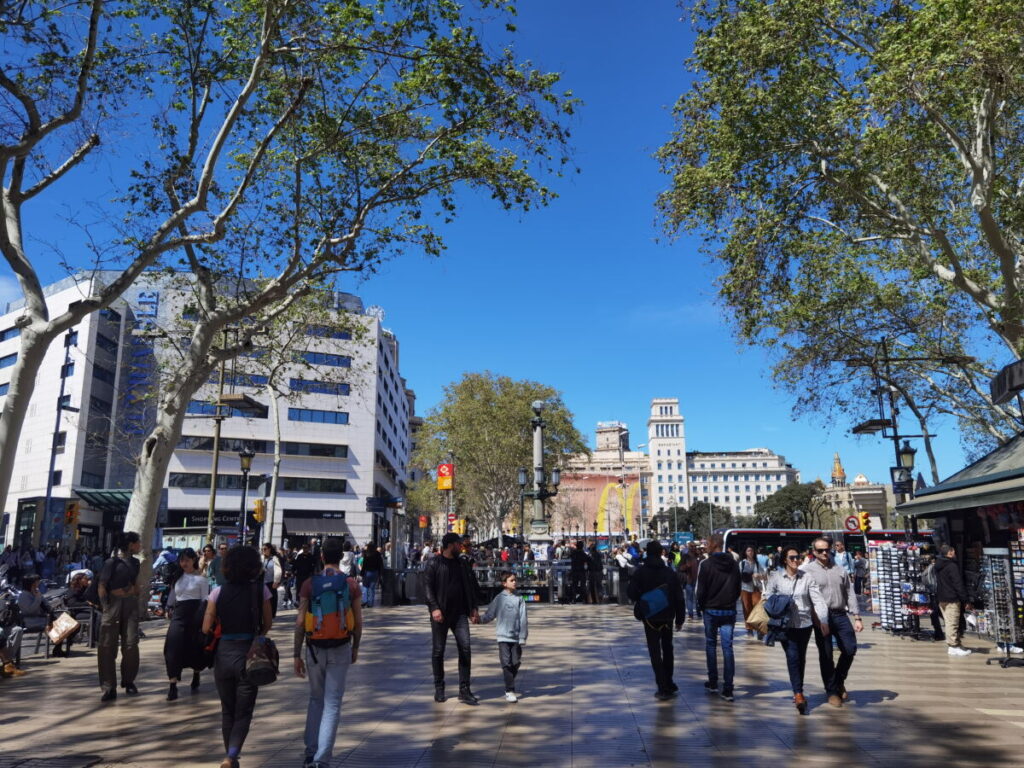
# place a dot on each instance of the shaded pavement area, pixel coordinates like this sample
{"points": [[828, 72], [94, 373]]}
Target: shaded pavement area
{"points": [[588, 700]]}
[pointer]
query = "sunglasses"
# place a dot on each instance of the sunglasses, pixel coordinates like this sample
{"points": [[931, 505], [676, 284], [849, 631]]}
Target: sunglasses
{"points": [[821, 551], [794, 557]]}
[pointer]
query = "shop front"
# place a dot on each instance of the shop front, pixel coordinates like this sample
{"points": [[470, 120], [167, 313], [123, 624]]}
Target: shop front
{"points": [[980, 512]]}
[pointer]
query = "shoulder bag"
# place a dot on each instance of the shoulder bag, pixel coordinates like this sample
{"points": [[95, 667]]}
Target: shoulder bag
{"points": [[262, 662]]}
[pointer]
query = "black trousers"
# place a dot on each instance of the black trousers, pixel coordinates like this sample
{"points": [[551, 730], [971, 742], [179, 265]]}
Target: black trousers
{"points": [[511, 656], [659, 647], [182, 638], [458, 626], [237, 694], [833, 674], [273, 599], [577, 580]]}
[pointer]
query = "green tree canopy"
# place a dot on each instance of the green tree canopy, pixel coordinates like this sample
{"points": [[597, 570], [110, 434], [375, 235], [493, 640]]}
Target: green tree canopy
{"points": [[859, 153], [485, 421], [779, 510]]}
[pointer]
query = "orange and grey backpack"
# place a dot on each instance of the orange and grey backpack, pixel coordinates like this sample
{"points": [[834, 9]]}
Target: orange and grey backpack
{"points": [[329, 620]]}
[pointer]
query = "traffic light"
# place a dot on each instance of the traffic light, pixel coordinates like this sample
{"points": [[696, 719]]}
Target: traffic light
{"points": [[259, 510], [865, 522], [71, 509], [459, 526]]}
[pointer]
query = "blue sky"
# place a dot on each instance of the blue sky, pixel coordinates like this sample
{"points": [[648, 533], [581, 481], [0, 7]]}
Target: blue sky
{"points": [[587, 295]]}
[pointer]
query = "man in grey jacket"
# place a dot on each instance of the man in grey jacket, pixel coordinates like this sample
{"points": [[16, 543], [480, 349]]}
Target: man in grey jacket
{"points": [[511, 631]]}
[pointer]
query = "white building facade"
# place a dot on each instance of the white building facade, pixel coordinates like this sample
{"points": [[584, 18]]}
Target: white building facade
{"points": [[666, 448], [737, 480], [344, 418]]}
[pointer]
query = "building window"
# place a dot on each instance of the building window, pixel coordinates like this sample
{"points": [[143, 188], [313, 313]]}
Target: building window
{"points": [[244, 380], [327, 332], [100, 405], [320, 450], [324, 358], [317, 417], [58, 475], [319, 387], [103, 374], [91, 479], [314, 485], [201, 480], [10, 333], [67, 370], [106, 343], [4, 387], [8, 360], [203, 408], [59, 442]]}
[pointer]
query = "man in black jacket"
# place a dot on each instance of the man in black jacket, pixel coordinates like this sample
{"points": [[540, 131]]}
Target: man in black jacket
{"points": [[951, 595], [451, 593], [579, 564], [655, 575], [718, 589]]}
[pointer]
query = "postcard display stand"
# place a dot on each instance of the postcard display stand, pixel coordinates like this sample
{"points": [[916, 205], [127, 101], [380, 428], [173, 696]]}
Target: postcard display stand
{"points": [[898, 595], [1001, 572]]}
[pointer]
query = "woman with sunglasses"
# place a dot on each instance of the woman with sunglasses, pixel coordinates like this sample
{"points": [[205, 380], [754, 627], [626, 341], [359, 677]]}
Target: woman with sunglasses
{"points": [[806, 609]]}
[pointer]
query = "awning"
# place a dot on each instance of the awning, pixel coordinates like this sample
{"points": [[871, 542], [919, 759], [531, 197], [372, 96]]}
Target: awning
{"points": [[114, 500], [314, 526], [935, 504]]}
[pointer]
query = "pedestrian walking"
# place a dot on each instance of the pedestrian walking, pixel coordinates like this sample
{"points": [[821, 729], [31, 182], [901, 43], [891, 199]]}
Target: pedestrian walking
{"points": [[843, 558], [272, 574], [718, 589], [241, 605], [182, 643], [595, 574], [213, 571], [658, 602], [951, 595], [579, 564], [330, 621], [836, 587], [370, 570], [511, 630], [118, 592], [348, 560], [752, 577], [688, 569], [861, 572], [303, 566], [451, 595], [807, 609]]}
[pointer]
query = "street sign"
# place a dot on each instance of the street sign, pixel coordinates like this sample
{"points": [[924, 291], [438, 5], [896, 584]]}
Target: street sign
{"points": [[852, 524], [682, 537], [451, 517], [902, 480]]}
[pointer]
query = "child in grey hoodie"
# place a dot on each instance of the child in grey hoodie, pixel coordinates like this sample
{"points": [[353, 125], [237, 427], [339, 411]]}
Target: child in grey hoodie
{"points": [[510, 611]]}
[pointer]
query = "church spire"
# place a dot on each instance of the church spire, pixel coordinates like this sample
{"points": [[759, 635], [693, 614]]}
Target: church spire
{"points": [[838, 473]]}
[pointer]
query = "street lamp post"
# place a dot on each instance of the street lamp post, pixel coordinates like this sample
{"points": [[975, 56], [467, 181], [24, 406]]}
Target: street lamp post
{"points": [[245, 457], [544, 486]]}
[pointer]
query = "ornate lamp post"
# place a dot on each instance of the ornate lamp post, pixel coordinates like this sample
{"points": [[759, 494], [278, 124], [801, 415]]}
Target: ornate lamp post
{"points": [[245, 457], [544, 486]]}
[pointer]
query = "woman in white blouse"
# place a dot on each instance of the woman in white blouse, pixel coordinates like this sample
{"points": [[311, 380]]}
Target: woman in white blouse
{"points": [[808, 607], [182, 645]]}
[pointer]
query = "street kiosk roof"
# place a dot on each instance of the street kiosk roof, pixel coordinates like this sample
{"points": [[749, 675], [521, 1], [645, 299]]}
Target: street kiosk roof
{"points": [[997, 478]]}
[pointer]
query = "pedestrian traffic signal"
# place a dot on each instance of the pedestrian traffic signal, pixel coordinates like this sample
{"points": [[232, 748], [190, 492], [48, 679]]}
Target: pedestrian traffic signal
{"points": [[865, 522], [259, 510]]}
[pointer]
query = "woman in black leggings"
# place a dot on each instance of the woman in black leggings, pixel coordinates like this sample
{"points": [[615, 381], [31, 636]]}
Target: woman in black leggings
{"points": [[242, 606]]}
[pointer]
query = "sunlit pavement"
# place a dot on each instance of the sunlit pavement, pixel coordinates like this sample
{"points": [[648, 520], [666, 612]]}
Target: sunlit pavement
{"points": [[588, 702]]}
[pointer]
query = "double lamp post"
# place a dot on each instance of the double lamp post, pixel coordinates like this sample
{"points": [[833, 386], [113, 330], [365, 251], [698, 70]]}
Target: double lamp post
{"points": [[544, 485]]}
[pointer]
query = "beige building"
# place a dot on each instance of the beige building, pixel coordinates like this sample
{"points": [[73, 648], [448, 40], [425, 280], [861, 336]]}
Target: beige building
{"points": [[845, 499]]}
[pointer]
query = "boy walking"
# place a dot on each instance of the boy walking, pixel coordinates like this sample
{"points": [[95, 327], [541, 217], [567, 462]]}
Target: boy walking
{"points": [[510, 611], [718, 589], [330, 620]]}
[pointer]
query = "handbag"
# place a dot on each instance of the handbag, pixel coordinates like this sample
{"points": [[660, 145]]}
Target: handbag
{"points": [[263, 661], [63, 627], [758, 619]]}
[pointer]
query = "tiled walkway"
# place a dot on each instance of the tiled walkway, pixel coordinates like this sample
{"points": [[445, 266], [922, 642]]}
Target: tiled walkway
{"points": [[589, 702]]}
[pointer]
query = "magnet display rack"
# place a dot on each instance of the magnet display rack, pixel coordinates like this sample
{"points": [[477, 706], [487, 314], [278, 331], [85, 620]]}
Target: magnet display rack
{"points": [[897, 592], [1001, 572]]}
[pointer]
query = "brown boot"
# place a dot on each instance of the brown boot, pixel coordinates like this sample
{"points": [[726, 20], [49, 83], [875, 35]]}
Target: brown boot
{"points": [[801, 703], [835, 700], [12, 671]]}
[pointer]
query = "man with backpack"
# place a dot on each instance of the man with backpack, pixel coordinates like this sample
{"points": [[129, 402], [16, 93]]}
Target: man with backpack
{"points": [[330, 621], [658, 600]]}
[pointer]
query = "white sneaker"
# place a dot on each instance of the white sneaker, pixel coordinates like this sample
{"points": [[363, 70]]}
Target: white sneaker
{"points": [[510, 696], [958, 651], [1012, 649]]}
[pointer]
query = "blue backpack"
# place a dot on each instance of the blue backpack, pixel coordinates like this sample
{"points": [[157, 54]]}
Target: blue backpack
{"points": [[652, 604]]}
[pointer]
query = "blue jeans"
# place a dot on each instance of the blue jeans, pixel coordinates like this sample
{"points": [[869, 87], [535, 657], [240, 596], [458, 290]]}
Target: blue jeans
{"points": [[691, 603], [715, 623], [833, 674], [370, 587], [327, 669], [794, 643]]}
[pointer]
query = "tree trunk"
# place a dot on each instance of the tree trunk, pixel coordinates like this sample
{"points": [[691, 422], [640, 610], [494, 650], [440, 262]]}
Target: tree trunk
{"points": [[274, 526], [151, 472], [23, 383]]}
